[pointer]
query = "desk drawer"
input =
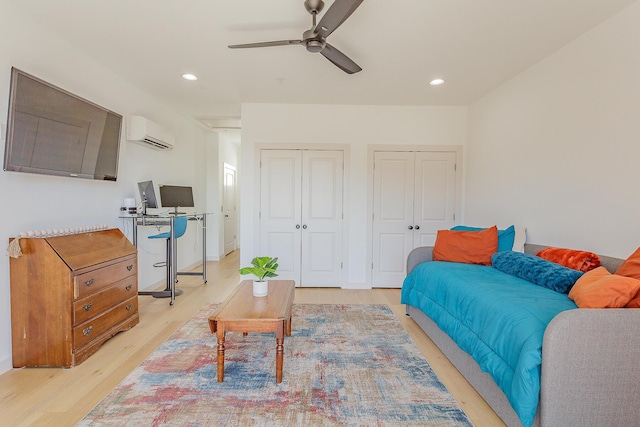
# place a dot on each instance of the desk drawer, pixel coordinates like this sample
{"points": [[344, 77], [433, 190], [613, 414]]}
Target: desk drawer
{"points": [[100, 278], [95, 304], [92, 329]]}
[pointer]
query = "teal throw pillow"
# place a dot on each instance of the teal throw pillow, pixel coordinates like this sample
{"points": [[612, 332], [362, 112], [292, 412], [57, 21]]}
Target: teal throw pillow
{"points": [[536, 270]]}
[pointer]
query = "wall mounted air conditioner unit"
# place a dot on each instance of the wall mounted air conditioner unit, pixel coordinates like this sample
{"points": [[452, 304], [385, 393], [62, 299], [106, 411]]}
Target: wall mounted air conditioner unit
{"points": [[143, 131]]}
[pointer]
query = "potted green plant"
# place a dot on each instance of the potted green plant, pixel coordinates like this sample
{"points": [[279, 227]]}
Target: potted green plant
{"points": [[261, 268]]}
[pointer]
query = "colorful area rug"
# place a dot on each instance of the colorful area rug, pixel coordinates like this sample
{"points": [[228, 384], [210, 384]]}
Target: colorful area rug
{"points": [[344, 365]]}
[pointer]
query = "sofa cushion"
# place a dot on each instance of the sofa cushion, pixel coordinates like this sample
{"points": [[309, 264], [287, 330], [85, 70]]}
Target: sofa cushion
{"points": [[536, 270], [600, 289], [469, 247], [571, 258], [506, 237], [631, 266]]}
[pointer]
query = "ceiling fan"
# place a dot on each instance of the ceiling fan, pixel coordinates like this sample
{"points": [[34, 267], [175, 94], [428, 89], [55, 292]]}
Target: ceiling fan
{"points": [[315, 38]]}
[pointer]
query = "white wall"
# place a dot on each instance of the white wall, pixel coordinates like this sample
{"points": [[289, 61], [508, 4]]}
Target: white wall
{"points": [[557, 148], [356, 127], [33, 202]]}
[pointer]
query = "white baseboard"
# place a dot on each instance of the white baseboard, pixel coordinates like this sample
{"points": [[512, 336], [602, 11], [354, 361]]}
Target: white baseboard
{"points": [[356, 286], [6, 365]]}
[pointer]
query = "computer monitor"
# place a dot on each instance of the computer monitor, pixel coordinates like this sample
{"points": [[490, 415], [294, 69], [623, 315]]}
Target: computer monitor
{"points": [[147, 196], [176, 196]]}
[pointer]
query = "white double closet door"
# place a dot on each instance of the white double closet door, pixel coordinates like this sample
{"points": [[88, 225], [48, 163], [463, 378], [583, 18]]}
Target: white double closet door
{"points": [[414, 196], [301, 214]]}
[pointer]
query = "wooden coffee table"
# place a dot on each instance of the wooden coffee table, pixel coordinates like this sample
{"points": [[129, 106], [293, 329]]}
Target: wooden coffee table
{"points": [[242, 312]]}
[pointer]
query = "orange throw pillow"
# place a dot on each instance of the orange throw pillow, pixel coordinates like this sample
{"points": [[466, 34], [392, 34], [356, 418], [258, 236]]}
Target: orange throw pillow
{"points": [[634, 303], [600, 289], [469, 247], [571, 258], [631, 266]]}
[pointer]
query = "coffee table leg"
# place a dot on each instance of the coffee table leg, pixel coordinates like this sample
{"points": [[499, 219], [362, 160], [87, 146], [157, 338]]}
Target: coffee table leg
{"points": [[221, 336], [279, 350]]}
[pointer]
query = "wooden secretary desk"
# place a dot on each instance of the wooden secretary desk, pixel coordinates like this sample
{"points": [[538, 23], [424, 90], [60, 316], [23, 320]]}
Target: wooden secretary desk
{"points": [[70, 294]]}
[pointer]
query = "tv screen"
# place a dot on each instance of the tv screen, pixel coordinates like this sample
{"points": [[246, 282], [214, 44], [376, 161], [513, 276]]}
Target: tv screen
{"points": [[53, 132]]}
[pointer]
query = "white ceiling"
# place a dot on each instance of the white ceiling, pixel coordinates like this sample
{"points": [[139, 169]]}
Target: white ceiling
{"points": [[401, 45]]}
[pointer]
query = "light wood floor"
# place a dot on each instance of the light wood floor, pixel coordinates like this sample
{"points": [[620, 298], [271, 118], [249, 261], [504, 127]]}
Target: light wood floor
{"points": [[61, 397]]}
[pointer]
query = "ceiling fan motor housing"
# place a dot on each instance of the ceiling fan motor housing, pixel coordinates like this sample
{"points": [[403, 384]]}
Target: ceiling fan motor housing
{"points": [[314, 6], [316, 46]]}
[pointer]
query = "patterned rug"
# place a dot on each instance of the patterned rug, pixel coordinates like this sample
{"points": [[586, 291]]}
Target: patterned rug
{"points": [[344, 365]]}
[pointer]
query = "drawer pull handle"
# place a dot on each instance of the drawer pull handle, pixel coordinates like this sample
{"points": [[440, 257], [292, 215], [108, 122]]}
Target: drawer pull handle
{"points": [[89, 282], [87, 331], [87, 307], [129, 307], [128, 287], [130, 267]]}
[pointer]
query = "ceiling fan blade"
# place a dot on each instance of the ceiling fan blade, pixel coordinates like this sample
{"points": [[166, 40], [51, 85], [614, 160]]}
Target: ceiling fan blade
{"points": [[339, 11], [340, 60], [265, 44]]}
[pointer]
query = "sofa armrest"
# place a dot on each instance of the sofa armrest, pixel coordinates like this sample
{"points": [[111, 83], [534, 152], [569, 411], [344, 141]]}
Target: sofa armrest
{"points": [[418, 256], [590, 368]]}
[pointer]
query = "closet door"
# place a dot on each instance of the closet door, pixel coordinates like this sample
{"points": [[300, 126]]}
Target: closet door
{"points": [[434, 203], [301, 214], [393, 185], [321, 251], [280, 210], [413, 197]]}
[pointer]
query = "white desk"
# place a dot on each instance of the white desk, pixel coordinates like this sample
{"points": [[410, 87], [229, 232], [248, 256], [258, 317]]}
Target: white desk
{"points": [[166, 219]]}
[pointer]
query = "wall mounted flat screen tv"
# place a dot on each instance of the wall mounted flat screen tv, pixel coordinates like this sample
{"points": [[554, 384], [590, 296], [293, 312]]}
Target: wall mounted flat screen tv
{"points": [[53, 132]]}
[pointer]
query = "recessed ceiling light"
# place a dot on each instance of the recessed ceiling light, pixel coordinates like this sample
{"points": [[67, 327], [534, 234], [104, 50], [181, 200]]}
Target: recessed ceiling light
{"points": [[436, 82], [189, 77]]}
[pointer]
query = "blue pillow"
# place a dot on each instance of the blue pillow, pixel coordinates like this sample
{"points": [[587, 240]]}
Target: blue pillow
{"points": [[536, 270], [506, 237]]}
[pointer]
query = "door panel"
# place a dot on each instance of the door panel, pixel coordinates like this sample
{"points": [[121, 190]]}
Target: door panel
{"points": [[434, 196], [322, 178], [280, 210], [392, 215], [229, 209]]}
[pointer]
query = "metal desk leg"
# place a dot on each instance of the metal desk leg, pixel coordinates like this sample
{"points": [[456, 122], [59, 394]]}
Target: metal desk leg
{"points": [[204, 248], [173, 261], [134, 231]]}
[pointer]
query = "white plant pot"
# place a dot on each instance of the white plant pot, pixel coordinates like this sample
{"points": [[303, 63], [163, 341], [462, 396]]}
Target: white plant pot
{"points": [[260, 289]]}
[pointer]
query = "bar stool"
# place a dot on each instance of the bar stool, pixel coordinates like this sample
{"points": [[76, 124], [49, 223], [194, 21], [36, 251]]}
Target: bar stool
{"points": [[179, 228]]}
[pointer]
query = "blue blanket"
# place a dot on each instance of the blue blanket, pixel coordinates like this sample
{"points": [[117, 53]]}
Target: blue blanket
{"points": [[497, 318]]}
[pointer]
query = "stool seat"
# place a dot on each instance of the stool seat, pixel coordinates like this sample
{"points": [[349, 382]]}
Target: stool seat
{"points": [[179, 228]]}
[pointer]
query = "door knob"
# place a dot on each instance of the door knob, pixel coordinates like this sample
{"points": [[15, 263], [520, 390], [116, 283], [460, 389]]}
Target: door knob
{"points": [[417, 227], [304, 226], [297, 226], [411, 227]]}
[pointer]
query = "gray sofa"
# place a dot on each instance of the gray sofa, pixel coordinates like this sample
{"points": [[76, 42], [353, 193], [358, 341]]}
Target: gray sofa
{"points": [[590, 372]]}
